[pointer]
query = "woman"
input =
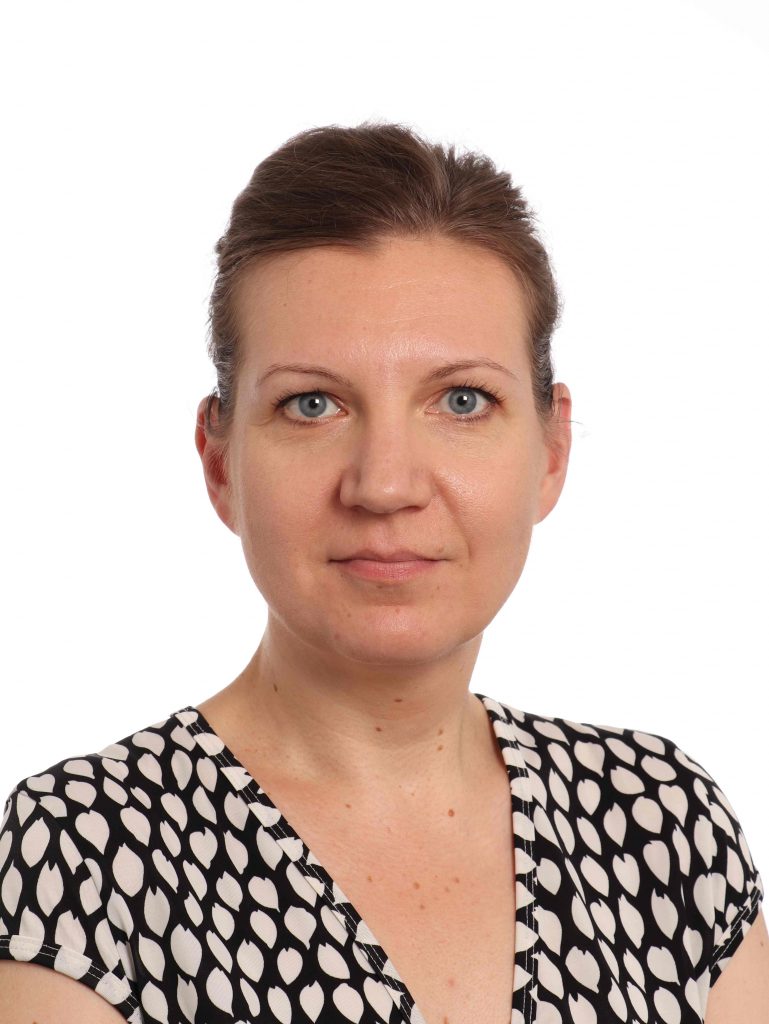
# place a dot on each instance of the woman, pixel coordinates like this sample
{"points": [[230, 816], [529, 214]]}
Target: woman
{"points": [[346, 832]]}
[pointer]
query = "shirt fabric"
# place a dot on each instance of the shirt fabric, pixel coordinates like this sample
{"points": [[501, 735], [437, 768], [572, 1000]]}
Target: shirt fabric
{"points": [[160, 874]]}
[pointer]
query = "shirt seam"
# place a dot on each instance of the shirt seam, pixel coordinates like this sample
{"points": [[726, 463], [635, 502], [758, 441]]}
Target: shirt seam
{"points": [[251, 787], [51, 950], [528, 846], [735, 935]]}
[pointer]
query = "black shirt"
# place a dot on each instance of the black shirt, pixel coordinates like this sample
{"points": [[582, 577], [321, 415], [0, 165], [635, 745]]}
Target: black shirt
{"points": [[158, 873]]}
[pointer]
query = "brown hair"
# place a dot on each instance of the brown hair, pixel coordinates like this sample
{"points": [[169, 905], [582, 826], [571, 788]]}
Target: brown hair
{"points": [[353, 186]]}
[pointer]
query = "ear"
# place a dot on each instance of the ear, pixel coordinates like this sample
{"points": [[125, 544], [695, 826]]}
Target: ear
{"points": [[558, 444], [213, 454]]}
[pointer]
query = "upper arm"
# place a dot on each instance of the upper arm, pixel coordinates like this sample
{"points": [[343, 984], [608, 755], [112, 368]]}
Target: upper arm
{"points": [[59, 944], [32, 992], [741, 993]]}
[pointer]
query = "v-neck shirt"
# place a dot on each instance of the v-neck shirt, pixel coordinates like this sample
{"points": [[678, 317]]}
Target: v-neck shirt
{"points": [[160, 874]]}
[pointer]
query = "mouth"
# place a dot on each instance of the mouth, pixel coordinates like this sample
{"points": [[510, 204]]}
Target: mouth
{"points": [[382, 555], [381, 570]]}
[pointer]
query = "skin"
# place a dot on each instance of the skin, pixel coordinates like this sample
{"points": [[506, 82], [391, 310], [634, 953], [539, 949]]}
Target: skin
{"points": [[357, 678], [32, 994], [360, 677]]}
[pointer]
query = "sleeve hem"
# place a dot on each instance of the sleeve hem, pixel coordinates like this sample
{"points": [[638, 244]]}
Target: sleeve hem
{"points": [[26, 949], [728, 945]]}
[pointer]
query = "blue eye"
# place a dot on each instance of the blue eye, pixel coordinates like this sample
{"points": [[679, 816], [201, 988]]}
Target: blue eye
{"points": [[312, 404], [465, 401]]}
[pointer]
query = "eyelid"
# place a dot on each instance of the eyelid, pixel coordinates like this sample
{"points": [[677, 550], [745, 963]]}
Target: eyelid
{"points": [[489, 393]]}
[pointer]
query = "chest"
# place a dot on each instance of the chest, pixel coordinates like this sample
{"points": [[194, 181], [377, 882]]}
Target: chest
{"points": [[446, 919], [441, 903]]}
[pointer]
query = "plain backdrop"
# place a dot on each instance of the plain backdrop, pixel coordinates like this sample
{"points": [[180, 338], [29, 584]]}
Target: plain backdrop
{"points": [[638, 134]]}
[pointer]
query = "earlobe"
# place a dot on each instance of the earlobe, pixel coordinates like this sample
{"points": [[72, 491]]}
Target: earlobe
{"points": [[213, 455], [558, 441]]}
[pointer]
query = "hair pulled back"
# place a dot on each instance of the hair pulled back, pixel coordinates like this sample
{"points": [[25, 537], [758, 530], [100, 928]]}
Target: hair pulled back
{"points": [[354, 186]]}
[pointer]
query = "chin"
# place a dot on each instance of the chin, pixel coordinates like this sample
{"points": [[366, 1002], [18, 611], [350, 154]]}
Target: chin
{"points": [[399, 635]]}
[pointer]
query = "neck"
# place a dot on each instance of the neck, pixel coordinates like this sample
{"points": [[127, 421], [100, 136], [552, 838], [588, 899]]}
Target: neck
{"points": [[374, 729]]}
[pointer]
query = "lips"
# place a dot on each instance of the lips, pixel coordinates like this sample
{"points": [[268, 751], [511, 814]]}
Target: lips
{"points": [[379, 571], [400, 555]]}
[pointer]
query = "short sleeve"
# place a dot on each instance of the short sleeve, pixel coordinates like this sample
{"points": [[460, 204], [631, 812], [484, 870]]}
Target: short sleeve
{"points": [[51, 909], [727, 889]]}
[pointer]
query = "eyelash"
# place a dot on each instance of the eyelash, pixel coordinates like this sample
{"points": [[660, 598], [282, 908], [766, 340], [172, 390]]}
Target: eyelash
{"points": [[492, 396]]}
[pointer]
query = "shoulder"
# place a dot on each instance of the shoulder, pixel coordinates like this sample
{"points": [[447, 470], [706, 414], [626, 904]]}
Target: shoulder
{"points": [[115, 815], [647, 775], [90, 856], [91, 791], [652, 817], [630, 765]]}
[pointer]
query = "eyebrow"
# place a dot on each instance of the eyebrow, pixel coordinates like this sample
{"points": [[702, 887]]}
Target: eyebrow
{"points": [[437, 374]]}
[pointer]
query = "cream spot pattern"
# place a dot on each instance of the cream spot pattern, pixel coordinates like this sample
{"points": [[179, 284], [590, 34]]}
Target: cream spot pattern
{"points": [[160, 874]]}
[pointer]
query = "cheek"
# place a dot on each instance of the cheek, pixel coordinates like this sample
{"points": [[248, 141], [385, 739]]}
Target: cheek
{"points": [[483, 513], [507, 527], [499, 497], [494, 513], [279, 514]]}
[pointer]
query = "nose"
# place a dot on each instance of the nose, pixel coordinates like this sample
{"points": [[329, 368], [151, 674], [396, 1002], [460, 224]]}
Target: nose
{"points": [[386, 468]]}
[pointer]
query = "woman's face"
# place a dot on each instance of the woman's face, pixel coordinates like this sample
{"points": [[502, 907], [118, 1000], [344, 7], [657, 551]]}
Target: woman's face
{"points": [[399, 452]]}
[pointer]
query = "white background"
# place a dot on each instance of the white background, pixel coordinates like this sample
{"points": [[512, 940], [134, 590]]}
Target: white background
{"points": [[638, 133]]}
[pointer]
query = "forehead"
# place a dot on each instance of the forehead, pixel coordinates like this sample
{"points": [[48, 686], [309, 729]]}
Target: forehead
{"points": [[423, 297]]}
